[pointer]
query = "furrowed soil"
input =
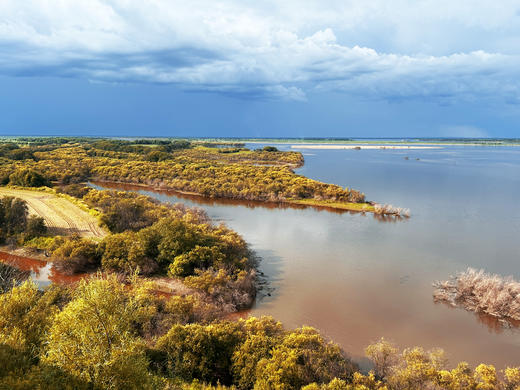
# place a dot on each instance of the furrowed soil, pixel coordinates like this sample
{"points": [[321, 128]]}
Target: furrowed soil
{"points": [[61, 215]]}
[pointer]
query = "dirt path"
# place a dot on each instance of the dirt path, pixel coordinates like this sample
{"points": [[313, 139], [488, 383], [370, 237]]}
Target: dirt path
{"points": [[61, 216]]}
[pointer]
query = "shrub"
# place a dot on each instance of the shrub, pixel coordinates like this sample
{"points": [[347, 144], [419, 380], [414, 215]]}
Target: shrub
{"points": [[28, 178], [93, 337], [11, 277], [35, 227], [74, 255], [127, 252], [13, 216], [303, 358], [157, 155], [25, 317], [75, 190], [201, 352], [200, 257]]}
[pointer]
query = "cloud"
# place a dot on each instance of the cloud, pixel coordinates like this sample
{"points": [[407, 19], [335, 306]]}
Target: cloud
{"points": [[274, 50]]}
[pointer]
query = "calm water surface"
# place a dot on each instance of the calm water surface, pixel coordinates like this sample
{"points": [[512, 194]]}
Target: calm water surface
{"points": [[357, 278]]}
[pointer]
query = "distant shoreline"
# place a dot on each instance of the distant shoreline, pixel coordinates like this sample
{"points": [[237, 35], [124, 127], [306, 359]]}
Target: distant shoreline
{"points": [[358, 147]]}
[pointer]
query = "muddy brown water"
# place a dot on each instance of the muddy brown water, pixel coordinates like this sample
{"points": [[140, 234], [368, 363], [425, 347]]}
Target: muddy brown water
{"points": [[42, 272]]}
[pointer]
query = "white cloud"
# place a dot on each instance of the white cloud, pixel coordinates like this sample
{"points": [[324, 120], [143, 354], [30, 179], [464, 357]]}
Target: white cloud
{"points": [[273, 49]]}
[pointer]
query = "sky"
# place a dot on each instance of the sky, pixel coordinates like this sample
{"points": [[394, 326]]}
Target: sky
{"points": [[243, 68]]}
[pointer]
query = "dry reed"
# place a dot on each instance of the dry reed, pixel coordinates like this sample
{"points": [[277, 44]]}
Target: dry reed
{"points": [[388, 209], [481, 292]]}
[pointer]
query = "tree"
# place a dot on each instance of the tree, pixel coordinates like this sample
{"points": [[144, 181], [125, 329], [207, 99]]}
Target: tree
{"points": [[302, 358], [383, 355], [75, 254], [200, 352], [35, 227], [28, 178], [127, 214], [13, 215], [263, 334], [26, 315], [93, 337], [127, 252]]}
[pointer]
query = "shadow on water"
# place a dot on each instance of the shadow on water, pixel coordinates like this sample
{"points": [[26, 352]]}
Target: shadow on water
{"points": [[270, 275], [269, 282]]}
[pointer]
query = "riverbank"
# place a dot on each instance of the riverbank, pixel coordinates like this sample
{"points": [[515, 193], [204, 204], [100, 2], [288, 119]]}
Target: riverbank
{"points": [[366, 207]]}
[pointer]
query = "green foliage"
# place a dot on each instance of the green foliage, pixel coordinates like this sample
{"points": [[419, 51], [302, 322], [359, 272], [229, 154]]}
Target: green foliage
{"points": [[201, 352], [28, 178], [93, 337], [263, 175], [15, 221], [179, 244], [255, 353], [262, 335], [302, 358], [75, 254], [127, 214], [200, 257], [25, 317], [42, 377], [35, 227], [157, 155], [11, 276], [13, 217], [20, 154], [184, 310], [127, 252], [107, 334], [75, 190]]}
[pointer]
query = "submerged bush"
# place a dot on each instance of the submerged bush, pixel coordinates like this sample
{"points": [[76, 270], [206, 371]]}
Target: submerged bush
{"points": [[388, 209], [482, 293]]}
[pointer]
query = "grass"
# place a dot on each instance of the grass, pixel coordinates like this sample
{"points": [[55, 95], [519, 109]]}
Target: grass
{"points": [[366, 207], [63, 214]]}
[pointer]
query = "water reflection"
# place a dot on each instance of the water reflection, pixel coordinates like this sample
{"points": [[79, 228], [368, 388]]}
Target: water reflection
{"points": [[492, 323], [42, 272]]}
